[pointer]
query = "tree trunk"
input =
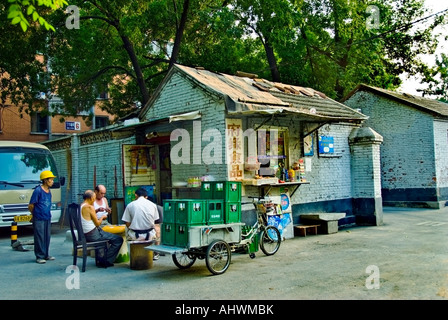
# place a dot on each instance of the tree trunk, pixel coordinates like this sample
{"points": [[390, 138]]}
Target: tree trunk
{"points": [[138, 70], [272, 62], [179, 33]]}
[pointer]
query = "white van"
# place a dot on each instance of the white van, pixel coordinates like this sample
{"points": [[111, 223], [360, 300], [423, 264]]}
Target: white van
{"points": [[20, 166]]}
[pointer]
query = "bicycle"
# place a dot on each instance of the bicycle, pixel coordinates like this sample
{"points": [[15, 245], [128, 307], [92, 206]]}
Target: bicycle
{"points": [[269, 236], [215, 243]]}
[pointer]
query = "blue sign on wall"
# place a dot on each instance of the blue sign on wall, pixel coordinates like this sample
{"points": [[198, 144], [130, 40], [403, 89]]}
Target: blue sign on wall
{"points": [[326, 144], [72, 125]]}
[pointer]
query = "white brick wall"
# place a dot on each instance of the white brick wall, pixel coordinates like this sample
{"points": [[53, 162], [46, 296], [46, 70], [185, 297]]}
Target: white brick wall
{"points": [[407, 152], [441, 152], [104, 155], [180, 96], [366, 171], [329, 177]]}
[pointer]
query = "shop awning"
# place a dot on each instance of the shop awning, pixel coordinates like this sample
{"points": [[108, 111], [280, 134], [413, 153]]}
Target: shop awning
{"points": [[185, 116], [302, 113]]}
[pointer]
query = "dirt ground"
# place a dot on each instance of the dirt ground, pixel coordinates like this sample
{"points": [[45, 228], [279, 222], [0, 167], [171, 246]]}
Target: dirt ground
{"points": [[404, 259]]}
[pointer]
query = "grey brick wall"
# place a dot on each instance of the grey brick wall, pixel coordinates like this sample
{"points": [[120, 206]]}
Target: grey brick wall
{"points": [[441, 152], [407, 153], [414, 151], [330, 177], [104, 155], [180, 96]]}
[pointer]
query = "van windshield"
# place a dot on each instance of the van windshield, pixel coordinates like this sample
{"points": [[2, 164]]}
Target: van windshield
{"points": [[22, 166]]}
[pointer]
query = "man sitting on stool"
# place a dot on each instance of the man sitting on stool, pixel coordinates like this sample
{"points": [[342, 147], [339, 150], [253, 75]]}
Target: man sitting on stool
{"points": [[139, 217]]}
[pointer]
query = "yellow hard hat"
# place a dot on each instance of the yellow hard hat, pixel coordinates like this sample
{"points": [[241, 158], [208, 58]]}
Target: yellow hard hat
{"points": [[46, 174]]}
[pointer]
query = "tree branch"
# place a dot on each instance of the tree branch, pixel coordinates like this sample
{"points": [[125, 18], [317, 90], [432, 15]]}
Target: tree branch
{"points": [[105, 69], [325, 53], [156, 62], [156, 75], [98, 18], [179, 32]]}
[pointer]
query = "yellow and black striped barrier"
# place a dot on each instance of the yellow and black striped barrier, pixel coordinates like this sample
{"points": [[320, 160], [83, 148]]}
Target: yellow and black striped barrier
{"points": [[13, 232]]}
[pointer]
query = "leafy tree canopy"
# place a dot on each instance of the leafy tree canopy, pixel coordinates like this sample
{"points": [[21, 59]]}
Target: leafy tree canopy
{"points": [[27, 12], [125, 47], [437, 79]]}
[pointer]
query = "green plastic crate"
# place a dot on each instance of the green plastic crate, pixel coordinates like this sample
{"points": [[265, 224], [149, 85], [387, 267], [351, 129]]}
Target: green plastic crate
{"points": [[222, 190], [215, 212], [168, 234], [232, 212], [169, 212], [182, 235], [227, 190], [191, 211], [207, 189]]}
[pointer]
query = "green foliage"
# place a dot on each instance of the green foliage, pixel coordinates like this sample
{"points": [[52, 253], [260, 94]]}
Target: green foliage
{"points": [[21, 76], [125, 47], [25, 12], [437, 79]]}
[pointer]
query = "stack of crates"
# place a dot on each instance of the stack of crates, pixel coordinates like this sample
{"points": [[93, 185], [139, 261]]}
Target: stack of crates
{"points": [[220, 203], [227, 191], [178, 216]]}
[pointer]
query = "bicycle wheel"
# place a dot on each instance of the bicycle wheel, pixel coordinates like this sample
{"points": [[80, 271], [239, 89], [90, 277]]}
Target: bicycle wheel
{"points": [[270, 240], [218, 255], [183, 260]]}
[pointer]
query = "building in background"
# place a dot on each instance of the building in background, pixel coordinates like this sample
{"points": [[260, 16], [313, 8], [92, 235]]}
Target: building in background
{"points": [[414, 153], [38, 127]]}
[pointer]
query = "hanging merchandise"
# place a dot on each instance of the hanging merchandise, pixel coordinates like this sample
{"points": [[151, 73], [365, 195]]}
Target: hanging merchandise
{"points": [[301, 171]]}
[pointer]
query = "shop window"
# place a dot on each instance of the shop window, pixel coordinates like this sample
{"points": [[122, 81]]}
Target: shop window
{"points": [[39, 123], [272, 151]]}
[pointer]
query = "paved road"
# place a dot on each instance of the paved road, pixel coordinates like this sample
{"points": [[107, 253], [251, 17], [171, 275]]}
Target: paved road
{"points": [[406, 258]]}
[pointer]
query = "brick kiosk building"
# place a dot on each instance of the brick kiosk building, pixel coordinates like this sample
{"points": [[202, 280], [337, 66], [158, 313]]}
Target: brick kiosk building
{"points": [[414, 153], [207, 107], [201, 124]]}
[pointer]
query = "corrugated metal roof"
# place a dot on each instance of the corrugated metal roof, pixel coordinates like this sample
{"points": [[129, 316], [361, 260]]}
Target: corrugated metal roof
{"points": [[251, 95], [433, 106]]}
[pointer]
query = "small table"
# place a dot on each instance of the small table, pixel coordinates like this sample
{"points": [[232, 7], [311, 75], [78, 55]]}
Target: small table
{"points": [[123, 254], [295, 185]]}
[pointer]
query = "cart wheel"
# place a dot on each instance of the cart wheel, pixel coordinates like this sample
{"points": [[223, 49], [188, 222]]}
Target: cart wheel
{"points": [[270, 240], [218, 255], [183, 260], [252, 255]]}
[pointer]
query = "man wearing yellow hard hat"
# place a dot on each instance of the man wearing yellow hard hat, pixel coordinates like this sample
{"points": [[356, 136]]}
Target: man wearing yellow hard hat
{"points": [[40, 208]]}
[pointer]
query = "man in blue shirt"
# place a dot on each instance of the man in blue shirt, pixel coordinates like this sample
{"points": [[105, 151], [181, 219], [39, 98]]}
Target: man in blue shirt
{"points": [[40, 206]]}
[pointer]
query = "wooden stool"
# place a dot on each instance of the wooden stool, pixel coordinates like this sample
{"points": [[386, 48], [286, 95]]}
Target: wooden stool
{"points": [[302, 229], [140, 259]]}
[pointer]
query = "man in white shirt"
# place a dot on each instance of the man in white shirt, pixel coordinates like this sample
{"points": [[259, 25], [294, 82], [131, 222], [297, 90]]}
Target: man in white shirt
{"points": [[139, 217], [101, 204]]}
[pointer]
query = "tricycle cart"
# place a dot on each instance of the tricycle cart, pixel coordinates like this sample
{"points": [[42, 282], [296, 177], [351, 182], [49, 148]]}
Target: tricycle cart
{"points": [[215, 243]]}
